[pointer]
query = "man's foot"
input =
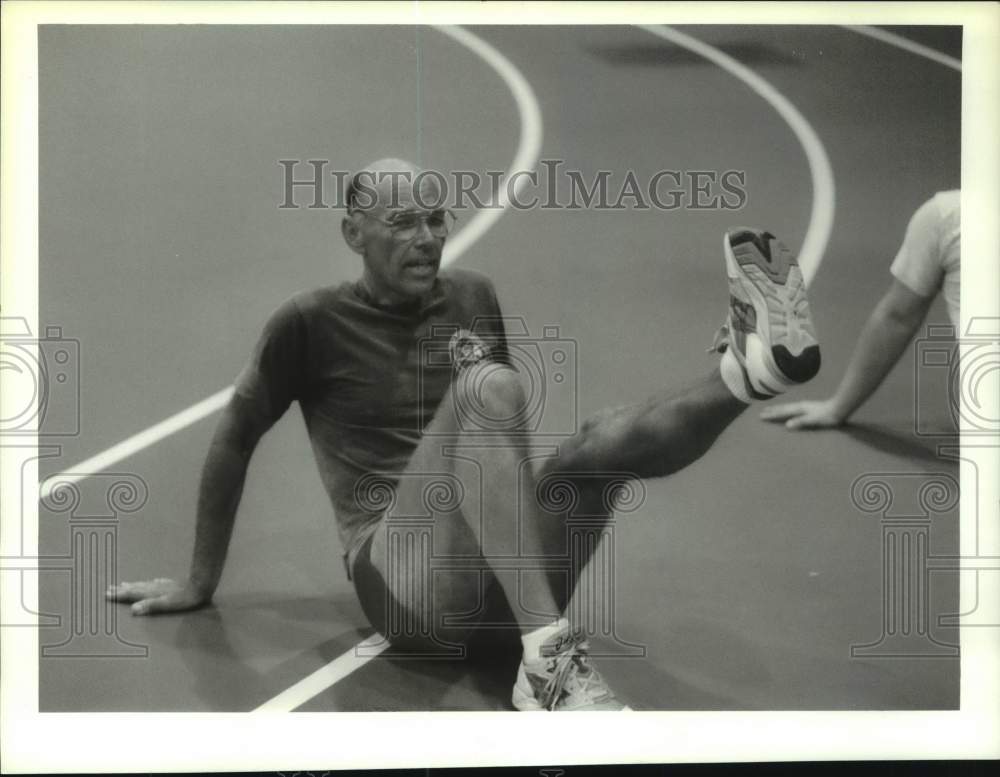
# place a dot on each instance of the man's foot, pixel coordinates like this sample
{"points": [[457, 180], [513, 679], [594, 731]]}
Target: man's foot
{"points": [[562, 679], [769, 330]]}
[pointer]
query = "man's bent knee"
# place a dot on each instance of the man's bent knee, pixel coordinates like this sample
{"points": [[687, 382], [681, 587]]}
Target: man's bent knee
{"points": [[490, 397]]}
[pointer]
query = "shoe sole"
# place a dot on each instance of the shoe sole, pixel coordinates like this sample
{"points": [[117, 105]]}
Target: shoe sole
{"points": [[778, 267]]}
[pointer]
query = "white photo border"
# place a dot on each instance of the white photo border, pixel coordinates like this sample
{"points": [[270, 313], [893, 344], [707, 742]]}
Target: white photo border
{"points": [[57, 742]]}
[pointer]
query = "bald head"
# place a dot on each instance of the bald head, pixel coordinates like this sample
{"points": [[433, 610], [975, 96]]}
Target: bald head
{"points": [[395, 222], [392, 184]]}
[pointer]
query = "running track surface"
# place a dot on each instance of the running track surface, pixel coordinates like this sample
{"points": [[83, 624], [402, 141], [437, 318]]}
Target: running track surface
{"points": [[746, 577]]}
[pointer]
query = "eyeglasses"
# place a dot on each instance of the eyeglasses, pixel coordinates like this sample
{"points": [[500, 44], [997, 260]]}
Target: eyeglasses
{"points": [[405, 224]]}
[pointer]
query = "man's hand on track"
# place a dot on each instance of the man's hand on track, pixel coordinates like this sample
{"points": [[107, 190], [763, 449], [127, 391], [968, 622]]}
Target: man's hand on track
{"points": [[161, 595]]}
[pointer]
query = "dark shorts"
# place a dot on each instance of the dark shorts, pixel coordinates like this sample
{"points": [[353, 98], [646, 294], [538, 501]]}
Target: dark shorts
{"points": [[370, 586]]}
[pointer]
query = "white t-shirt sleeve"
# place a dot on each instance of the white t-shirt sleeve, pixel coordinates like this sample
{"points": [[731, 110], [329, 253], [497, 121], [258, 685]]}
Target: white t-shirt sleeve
{"points": [[918, 265]]}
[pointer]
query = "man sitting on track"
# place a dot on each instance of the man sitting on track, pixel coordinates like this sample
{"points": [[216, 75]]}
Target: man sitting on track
{"points": [[396, 372]]}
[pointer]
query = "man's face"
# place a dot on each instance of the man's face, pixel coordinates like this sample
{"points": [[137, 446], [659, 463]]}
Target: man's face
{"points": [[401, 264]]}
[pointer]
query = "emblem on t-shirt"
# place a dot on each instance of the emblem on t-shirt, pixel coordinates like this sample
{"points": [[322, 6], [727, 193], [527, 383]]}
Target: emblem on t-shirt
{"points": [[467, 349]]}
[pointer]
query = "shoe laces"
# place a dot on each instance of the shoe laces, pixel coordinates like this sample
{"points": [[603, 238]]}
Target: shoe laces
{"points": [[572, 674]]}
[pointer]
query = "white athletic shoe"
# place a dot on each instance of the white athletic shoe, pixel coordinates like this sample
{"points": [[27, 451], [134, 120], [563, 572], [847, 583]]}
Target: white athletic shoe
{"points": [[563, 680], [769, 328]]}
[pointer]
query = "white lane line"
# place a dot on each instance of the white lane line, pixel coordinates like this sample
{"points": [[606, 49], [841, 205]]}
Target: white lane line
{"points": [[528, 146], [821, 215], [137, 442], [906, 44], [326, 676]]}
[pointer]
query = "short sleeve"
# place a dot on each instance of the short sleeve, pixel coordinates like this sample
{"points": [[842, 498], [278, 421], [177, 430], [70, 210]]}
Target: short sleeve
{"points": [[275, 374], [489, 324], [918, 264]]}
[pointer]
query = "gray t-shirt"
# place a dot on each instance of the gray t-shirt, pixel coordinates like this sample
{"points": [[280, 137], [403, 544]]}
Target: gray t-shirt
{"points": [[368, 379]]}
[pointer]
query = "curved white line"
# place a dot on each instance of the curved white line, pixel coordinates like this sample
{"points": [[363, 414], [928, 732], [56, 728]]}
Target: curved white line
{"points": [[906, 44], [821, 215], [528, 147]]}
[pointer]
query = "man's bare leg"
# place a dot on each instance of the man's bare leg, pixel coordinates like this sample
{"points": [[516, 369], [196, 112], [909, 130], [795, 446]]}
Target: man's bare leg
{"points": [[768, 344], [654, 438], [498, 516]]}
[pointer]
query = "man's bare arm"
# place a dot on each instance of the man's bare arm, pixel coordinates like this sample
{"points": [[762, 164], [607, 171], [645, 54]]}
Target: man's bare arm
{"points": [[883, 340], [223, 475], [222, 481]]}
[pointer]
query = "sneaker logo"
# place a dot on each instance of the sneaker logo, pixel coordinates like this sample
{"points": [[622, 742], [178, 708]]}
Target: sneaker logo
{"points": [[559, 643]]}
